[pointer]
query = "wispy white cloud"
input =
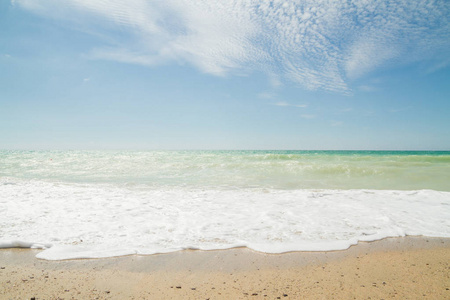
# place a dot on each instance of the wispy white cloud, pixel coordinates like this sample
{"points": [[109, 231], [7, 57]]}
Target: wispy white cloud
{"points": [[301, 105], [308, 116], [336, 123], [266, 95], [320, 44], [401, 109], [438, 66], [284, 103], [273, 96], [281, 103], [367, 88]]}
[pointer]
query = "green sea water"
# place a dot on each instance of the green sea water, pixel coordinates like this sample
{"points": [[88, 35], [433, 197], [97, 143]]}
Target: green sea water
{"points": [[110, 203], [388, 170]]}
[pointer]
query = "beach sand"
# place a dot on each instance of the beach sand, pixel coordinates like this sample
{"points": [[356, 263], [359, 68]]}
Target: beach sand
{"points": [[402, 268]]}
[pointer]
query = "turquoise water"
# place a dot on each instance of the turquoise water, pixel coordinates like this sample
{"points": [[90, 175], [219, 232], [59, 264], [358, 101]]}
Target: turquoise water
{"points": [[110, 203], [389, 170]]}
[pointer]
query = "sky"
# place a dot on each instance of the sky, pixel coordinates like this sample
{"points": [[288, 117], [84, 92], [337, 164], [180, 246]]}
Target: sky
{"points": [[236, 74]]}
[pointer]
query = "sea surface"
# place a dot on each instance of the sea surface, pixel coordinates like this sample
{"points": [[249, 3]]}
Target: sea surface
{"points": [[92, 204]]}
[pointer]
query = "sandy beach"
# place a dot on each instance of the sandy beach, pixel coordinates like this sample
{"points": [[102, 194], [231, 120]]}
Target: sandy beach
{"points": [[224, 149], [402, 268]]}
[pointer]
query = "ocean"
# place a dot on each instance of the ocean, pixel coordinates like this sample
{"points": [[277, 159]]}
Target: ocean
{"points": [[92, 204]]}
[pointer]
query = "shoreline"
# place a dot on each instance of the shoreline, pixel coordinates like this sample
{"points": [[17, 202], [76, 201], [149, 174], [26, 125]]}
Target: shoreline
{"points": [[409, 266]]}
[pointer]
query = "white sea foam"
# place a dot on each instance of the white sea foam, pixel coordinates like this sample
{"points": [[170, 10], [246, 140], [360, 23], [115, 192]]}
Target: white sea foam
{"points": [[74, 220]]}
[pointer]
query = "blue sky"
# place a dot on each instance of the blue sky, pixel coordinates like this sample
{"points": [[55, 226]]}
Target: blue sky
{"points": [[238, 74]]}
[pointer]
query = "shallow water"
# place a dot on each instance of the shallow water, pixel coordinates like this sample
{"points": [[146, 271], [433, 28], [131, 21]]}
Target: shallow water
{"points": [[236, 169], [104, 203]]}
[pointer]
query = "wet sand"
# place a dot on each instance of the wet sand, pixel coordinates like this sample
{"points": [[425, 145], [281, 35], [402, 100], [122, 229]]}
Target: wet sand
{"points": [[402, 268]]}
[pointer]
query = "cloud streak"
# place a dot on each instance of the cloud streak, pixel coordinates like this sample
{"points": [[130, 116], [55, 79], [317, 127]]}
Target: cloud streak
{"points": [[284, 103], [320, 44], [308, 116]]}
